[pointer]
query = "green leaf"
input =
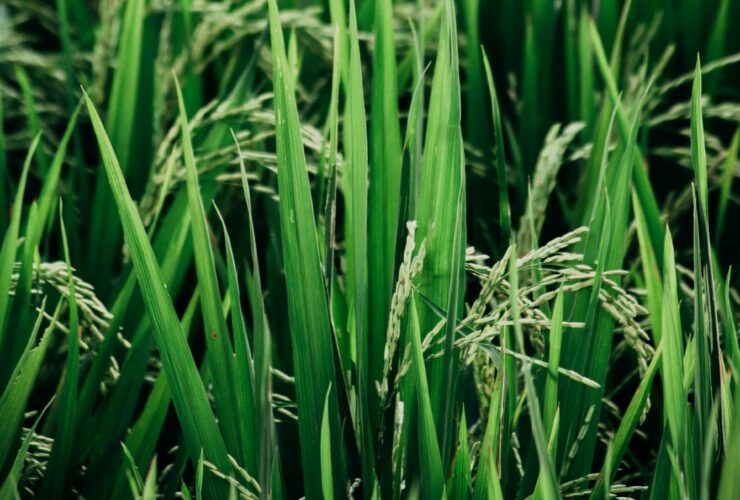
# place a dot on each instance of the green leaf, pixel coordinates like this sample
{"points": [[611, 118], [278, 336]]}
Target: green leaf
{"points": [[308, 313], [246, 423], [9, 488], [553, 362], [698, 150], [442, 182], [327, 488], [355, 181], [218, 344], [672, 367], [504, 208], [56, 477], [144, 433], [188, 394], [548, 479], [627, 426], [8, 249], [49, 191], [384, 190], [477, 127], [121, 124], [149, 491], [432, 473], [450, 358], [730, 475], [16, 393], [460, 481], [651, 272], [588, 352], [639, 172], [487, 483], [262, 349]]}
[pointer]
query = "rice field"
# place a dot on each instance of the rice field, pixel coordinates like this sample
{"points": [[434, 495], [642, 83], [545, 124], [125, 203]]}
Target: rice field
{"points": [[369, 249]]}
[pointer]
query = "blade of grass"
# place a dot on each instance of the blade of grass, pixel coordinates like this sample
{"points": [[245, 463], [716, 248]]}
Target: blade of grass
{"points": [[262, 350], [384, 191], [120, 122], [487, 484], [477, 127], [412, 162], [698, 150], [48, 195], [586, 72], [308, 313], [330, 205], [144, 433], [672, 366], [38, 219], [551, 384], [9, 488], [702, 371], [219, 349], [338, 16], [355, 181], [460, 481], [627, 426], [640, 177], [188, 394], [610, 216], [18, 390], [432, 473], [327, 487], [552, 445], [8, 250], [56, 477], [652, 276], [450, 356], [247, 423], [442, 178], [503, 187], [730, 471], [548, 482]]}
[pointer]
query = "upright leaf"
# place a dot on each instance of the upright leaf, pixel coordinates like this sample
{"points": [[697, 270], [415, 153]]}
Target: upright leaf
{"points": [[442, 181], [56, 476], [120, 122], [672, 338], [355, 179], [504, 209], [16, 393], [218, 343], [8, 249], [188, 394], [551, 384], [432, 473], [698, 150], [262, 350], [308, 312], [384, 189]]}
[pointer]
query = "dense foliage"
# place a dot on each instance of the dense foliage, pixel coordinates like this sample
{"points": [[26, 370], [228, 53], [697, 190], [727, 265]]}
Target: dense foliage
{"points": [[369, 249]]}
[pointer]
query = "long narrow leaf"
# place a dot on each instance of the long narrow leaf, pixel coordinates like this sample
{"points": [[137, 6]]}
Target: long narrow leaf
{"points": [[188, 394], [307, 303]]}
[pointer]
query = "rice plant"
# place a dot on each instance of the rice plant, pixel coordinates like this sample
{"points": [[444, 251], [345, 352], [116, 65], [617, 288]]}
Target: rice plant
{"points": [[369, 249]]}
